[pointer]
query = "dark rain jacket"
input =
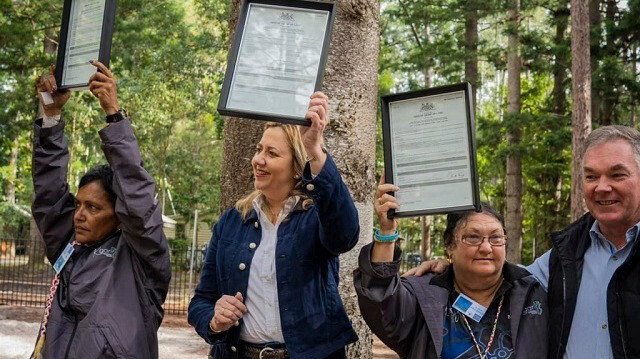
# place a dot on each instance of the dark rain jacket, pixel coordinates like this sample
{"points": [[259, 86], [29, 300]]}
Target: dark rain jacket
{"points": [[407, 313], [109, 300], [313, 320], [623, 292]]}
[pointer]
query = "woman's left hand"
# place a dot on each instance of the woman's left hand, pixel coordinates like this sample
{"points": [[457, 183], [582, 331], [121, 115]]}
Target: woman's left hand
{"points": [[103, 86], [312, 136]]}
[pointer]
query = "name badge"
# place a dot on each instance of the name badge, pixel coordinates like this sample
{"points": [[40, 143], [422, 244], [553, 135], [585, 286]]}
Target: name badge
{"points": [[64, 257], [469, 307]]}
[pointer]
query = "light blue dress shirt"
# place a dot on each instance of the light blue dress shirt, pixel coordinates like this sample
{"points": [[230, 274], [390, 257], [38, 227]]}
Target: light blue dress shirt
{"points": [[589, 336]]}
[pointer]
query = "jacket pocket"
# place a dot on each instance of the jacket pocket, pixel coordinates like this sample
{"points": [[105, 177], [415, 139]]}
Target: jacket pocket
{"points": [[112, 347]]}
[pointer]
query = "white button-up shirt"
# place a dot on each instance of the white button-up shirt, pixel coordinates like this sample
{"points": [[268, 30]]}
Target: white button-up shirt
{"points": [[261, 322]]}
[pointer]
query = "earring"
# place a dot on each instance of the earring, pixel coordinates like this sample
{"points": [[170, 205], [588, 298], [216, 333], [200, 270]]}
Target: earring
{"points": [[296, 176]]}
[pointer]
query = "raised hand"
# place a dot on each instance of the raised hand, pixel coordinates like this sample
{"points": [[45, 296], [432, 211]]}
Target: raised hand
{"points": [[47, 83], [312, 136], [103, 86], [383, 203]]}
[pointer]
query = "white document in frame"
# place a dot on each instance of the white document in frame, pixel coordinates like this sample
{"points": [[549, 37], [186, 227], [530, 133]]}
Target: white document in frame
{"points": [[83, 41], [278, 60], [430, 149]]}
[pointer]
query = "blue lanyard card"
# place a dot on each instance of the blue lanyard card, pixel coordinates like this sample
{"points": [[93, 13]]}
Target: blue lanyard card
{"points": [[64, 257], [469, 307]]}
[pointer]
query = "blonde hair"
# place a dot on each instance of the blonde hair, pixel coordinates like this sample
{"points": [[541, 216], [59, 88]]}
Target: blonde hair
{"points": [[294, 140]]}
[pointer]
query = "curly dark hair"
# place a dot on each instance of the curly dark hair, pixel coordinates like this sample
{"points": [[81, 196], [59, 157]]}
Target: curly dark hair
{"points": [[456, 219], [102, 174]]}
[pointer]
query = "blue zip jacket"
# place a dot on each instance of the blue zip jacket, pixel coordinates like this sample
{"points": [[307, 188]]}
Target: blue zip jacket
{"points": [[314, 322]]}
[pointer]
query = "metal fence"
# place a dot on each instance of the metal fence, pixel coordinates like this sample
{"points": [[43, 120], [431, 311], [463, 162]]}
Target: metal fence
{"points": [[26, 275]]}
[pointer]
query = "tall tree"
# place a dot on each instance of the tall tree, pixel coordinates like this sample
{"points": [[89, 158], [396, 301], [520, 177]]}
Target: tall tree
{"points": [[581, 90], [351, 84], [514, 133], [471, 47]]}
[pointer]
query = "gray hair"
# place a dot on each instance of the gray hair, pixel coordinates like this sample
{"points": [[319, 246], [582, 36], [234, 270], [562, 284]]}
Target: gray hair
{"points": [[613, 133]]}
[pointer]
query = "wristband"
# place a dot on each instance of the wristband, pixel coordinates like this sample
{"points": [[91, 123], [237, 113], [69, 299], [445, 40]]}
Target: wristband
{"points": [[390, 238], [213, 330]]}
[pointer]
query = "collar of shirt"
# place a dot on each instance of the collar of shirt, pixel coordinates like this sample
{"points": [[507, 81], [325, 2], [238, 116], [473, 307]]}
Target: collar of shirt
{"points": [[597, 238], [287, 208]]}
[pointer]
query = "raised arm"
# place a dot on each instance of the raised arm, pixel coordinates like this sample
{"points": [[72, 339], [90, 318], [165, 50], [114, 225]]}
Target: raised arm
{"points": [[322, 181], [53, 204], [136, 207], [387, 302]]}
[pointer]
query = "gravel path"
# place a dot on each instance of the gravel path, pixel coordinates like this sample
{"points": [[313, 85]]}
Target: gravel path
{"points": [[177, 340]]}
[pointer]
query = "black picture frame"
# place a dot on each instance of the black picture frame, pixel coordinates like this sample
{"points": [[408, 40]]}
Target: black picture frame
{"points": [[387, 100], [105, 41], [223, 109]]}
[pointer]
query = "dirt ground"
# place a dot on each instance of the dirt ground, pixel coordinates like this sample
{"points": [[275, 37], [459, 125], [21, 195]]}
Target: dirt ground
{"points": [[19, 328], [177, 340]]}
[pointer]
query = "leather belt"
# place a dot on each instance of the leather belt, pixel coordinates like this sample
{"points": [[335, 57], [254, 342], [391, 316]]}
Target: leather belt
{"points": [[253, 352]]}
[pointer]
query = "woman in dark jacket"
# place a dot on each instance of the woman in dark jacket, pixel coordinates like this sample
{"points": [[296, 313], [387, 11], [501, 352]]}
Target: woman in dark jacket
{"points": [[481, 307], [106, 301], [269, 284]]}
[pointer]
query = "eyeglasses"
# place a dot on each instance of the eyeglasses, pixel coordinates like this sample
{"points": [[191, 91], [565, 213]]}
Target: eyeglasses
{"points": [[494, 240]]}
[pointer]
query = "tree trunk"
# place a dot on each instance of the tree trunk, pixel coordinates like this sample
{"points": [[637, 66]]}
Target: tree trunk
{"points": [[428, 70], [471, 48], [13, 172], [581, 90], [610, 97], [594, 20], [561, 16], [634, 73], [514, 161], [350, 82], [425, 245]]}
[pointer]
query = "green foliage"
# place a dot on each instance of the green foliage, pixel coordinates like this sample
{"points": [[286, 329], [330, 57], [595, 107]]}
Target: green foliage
{"points": [[168, 57], [14, 221]]}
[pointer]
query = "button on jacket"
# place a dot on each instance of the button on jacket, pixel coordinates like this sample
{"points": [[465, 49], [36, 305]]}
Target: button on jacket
{"points": [[313, 320], [109, 301]]}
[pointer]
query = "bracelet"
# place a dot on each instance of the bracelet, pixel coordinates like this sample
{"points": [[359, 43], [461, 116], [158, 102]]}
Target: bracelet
{"points": [[213, 330], [389, 238]]}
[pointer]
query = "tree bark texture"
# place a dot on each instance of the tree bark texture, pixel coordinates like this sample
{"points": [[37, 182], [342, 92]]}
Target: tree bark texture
{"points": [[471, 48], [581, 90], [561, 63], [514, 160], [351, 84], [595, 19], [425, 246], [428, 70], [13, 172]]}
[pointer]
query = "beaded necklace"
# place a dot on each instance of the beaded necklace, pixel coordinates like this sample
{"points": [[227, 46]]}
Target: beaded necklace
{"points": [[493, 331]]}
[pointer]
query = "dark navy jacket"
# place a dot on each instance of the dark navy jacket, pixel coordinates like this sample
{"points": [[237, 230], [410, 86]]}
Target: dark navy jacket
{"points": [[314, 322]]}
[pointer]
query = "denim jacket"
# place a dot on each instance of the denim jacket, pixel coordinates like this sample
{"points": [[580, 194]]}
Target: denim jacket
{"points": [[313, 320]]}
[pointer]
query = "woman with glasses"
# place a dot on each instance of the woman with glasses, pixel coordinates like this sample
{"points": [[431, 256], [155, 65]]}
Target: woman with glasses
{"points": [[480, 307]]}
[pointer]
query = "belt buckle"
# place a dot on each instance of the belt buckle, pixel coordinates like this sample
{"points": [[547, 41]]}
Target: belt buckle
{"points": [[262, 352]]}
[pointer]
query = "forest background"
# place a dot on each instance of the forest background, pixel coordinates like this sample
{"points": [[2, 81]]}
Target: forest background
{"points": [[169, 57]]}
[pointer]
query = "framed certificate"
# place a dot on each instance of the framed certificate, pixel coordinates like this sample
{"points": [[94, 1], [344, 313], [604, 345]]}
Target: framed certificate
{"points": [[277, 60], [429, 150], [85, 34]]}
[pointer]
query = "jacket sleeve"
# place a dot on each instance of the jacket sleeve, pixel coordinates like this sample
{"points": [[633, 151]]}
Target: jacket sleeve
{"points": [[53, 205], [207, 293], [136, 208], [338, 215], [387, 303]]}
